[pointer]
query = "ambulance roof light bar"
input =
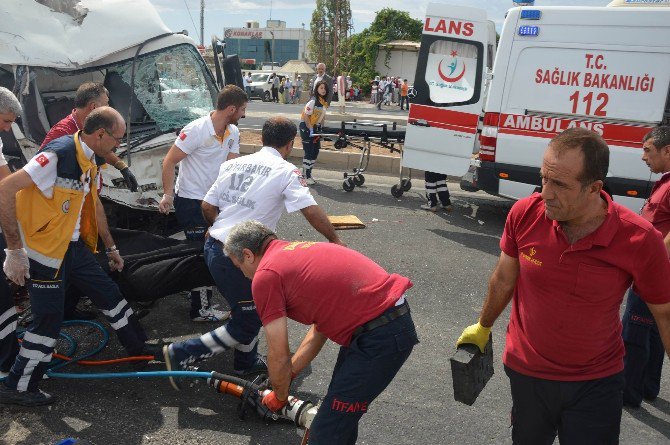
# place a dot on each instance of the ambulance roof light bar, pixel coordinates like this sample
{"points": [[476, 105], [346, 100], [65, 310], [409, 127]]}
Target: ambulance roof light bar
{"points": [[530, 31]]}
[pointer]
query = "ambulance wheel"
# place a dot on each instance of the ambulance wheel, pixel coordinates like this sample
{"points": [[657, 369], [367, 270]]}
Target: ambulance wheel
{"points": [[359, 180], [406, 184], [348, 185], [396, 191]]}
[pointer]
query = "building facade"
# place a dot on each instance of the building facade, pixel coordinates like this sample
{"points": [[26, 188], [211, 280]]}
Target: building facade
{"points": [[274, 43]]}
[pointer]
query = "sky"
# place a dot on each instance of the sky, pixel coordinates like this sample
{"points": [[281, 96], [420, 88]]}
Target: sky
{"points": [[221, 14]]}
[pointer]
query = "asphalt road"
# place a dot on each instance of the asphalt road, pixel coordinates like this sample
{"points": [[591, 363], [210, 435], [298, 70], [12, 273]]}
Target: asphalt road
{"points": [[447, 256]]}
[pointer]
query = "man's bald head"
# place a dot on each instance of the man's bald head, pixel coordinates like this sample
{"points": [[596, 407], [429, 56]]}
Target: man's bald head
{"points": [[106, 118], [321, 69], [278, 131]]}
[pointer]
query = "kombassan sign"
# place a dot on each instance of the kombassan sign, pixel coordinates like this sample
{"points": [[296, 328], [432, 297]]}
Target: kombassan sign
{"points": [[243, 33]]}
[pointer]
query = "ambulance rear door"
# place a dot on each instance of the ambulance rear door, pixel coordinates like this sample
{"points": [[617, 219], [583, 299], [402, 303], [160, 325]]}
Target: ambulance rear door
{"points": [[457, 47]]}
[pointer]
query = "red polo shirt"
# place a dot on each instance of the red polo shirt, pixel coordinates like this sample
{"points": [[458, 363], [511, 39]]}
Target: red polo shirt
{"points": [[657, 208], [336, 288], [564, 322], [64, 127]]}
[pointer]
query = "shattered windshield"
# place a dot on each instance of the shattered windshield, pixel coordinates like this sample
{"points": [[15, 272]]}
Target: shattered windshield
{"points": [[172, 88]]}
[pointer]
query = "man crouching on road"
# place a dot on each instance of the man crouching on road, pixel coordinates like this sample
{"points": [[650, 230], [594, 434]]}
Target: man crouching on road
{"points": [[348, 299], [54, 198]]}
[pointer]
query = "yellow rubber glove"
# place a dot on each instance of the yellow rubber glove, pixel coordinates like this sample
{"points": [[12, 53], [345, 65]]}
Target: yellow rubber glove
{"points": [[475, 334]]}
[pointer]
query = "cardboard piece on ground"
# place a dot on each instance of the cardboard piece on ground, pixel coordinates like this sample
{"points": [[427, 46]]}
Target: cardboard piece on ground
{"points": [[346, 222]]}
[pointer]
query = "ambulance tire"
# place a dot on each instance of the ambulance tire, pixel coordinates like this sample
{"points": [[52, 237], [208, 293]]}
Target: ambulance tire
{"points": [[359, 180], [396, 191], [348, 185], [406, 185]]}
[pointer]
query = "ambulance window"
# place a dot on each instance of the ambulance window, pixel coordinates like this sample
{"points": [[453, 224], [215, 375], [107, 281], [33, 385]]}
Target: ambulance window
{"points": [[451, 71]]}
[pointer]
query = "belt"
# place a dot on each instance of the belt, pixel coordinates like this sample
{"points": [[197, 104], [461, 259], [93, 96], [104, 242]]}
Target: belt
{"points": [[383, 319]]}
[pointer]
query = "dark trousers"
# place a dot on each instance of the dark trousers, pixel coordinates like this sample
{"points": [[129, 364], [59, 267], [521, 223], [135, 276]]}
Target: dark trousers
{"points": [[586, 412], [9, 347], [362, 371], [436, 187], [275, 94], [241, 332], [189, 215], [80, 268], [405, 101], [643, 362], [310, 149]]}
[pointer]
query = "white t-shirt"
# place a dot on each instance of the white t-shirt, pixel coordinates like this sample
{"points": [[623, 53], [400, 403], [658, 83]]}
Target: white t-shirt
{"points": [[42, 170], [205, 154], [3, 161], [258, 186]]}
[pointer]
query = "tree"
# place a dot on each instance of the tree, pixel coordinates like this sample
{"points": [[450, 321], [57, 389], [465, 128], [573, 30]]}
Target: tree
{"points": [[361, 50], [330, 26]]}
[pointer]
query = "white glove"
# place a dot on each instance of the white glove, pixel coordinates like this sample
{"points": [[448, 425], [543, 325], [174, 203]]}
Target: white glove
{"points": [[16, 266], [311, 133], [166, 204]]}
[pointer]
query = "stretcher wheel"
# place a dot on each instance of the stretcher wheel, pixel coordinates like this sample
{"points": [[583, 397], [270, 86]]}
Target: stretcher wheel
{"points": [[396, 191], [406, 184], [359, 180], [348, 185]]}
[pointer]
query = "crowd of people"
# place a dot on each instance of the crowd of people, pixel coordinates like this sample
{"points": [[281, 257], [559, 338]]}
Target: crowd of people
{"points": [[389, 90], [568, 256]]}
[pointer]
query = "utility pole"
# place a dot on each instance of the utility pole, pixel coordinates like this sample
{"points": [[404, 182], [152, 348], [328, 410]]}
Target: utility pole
{"points": [[202, 23], [336, 37]]}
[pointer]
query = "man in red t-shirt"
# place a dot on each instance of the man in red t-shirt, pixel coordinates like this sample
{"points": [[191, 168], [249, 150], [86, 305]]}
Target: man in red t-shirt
{"points": [[644, 349], [345, 297], [89, 96], [568, 256]]}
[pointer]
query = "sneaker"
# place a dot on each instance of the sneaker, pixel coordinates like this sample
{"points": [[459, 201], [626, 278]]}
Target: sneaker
{"points": [[428, 207], [24, 398], [171, 364], [310, 181], [259, 366], [211, 314]]}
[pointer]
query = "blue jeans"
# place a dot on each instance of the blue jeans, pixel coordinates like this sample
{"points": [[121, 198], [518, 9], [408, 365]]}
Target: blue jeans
{"points": [[47, 293], [643, 361], [9, 347], [362, 371], [241, 332]]}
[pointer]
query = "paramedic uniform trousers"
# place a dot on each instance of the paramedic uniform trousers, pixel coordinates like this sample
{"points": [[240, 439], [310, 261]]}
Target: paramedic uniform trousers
{"points": [[310, 148], [436, 187], [47, 293], [643, 361], [9, 347], [189, 215], [362, 371], [241, 332]]}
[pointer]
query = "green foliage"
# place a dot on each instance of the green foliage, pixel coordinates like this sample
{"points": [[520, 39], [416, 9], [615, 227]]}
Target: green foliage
{"points": [[361, 50]]}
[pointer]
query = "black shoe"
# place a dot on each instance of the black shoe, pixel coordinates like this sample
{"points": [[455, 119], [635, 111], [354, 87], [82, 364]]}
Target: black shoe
{"points": [[259, 366], [24, 398], [154, 350], [80, 315], [171, 364]]}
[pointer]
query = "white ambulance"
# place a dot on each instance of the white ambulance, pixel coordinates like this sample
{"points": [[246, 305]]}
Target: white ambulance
{"points": [[602, 68]]}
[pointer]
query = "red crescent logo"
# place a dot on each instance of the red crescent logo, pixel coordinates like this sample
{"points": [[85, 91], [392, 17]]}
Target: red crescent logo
{"points": [[446, 78]]}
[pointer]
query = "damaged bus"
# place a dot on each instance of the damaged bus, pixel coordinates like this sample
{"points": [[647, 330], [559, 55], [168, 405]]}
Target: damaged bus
{"points": [[156, 79]]}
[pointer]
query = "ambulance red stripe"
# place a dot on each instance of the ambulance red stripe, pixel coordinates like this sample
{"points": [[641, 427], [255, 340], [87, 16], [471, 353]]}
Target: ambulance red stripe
{"points": [[443, 118], [614, 134]]}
